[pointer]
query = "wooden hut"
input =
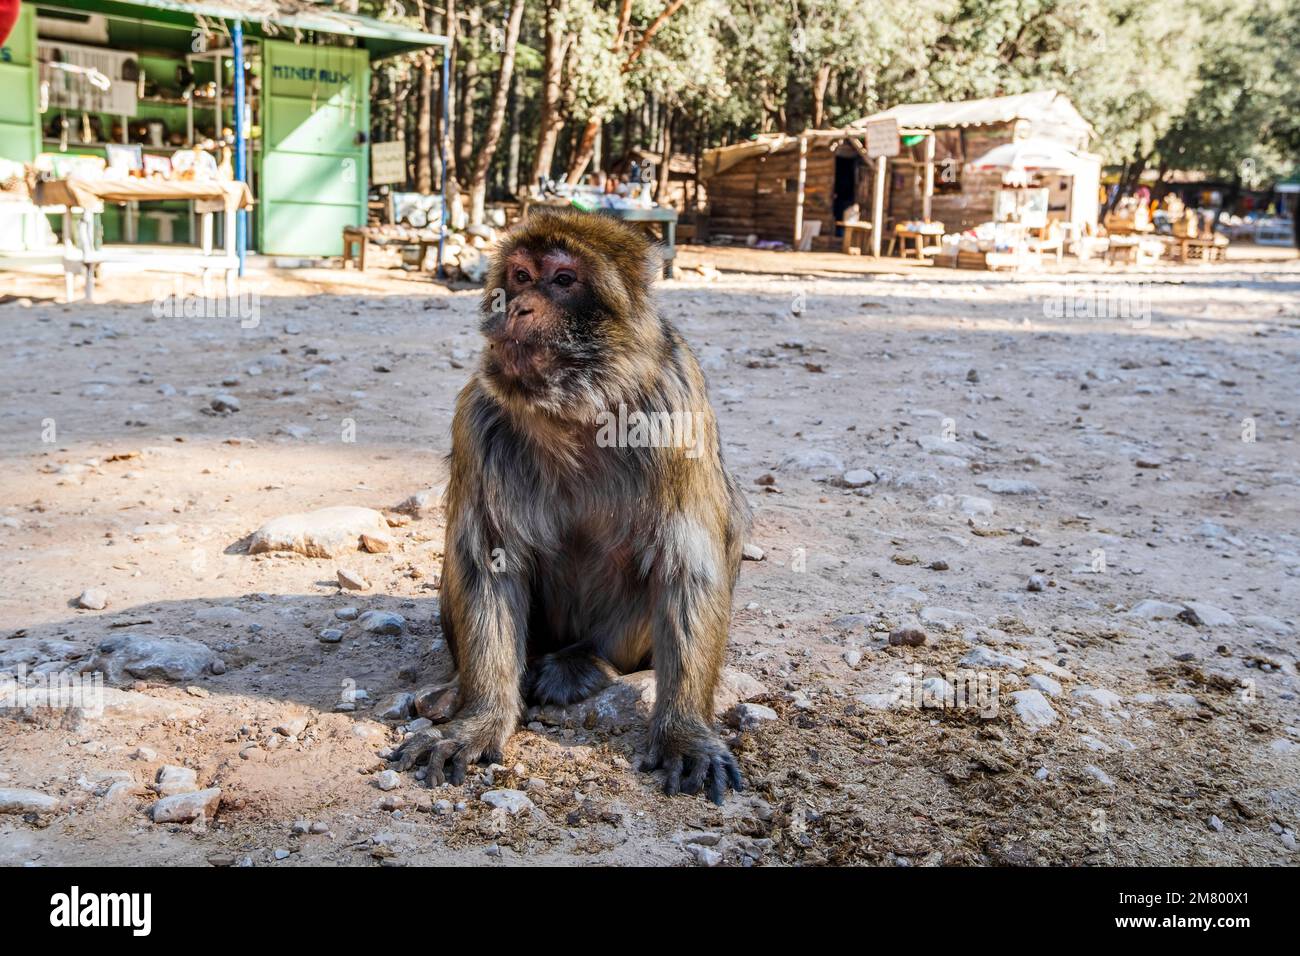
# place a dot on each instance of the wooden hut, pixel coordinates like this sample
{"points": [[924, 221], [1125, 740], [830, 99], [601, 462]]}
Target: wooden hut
{"points": [[773, 186]]}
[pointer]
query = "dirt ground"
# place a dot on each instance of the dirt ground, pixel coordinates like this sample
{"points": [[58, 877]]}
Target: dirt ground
{"points": [[1011, 464]]}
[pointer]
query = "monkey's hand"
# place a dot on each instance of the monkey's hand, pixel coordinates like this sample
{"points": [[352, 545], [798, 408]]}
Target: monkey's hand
{"points": [[447, 752], [694, 760]]}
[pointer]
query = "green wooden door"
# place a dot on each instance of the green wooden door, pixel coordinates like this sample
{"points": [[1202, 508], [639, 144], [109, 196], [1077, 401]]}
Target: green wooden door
{"points": [[20, 128], [315, 123]]}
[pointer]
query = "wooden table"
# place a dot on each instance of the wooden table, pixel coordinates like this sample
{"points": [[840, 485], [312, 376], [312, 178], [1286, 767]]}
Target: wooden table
{"points": [[87, 195], [904, 236], [846, 245], [361, 238], [1206, 249]]}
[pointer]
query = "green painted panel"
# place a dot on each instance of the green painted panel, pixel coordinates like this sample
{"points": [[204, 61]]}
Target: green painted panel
{"points": [[314, 179], [20, 134], [306, 229], [327, 130], [304, 178]]}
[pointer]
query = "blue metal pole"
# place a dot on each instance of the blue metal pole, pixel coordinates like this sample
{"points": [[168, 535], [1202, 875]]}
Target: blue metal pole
{"points": [[241, 173], [442, 153]]}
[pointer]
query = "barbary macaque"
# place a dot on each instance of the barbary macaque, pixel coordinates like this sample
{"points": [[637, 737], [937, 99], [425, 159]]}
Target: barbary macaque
{"points": [[592, 529]]}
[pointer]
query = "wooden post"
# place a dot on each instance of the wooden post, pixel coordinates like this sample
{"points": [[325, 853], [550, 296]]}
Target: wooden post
{"points": [[878, 205], [927, 197], [803, 178]]}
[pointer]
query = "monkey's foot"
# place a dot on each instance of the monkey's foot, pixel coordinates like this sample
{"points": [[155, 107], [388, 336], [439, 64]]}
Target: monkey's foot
{"points": [[447, 753], [695, 764]]}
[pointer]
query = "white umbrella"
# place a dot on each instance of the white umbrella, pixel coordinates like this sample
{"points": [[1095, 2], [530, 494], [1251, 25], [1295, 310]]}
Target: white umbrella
{"points": [[1017, 160]]}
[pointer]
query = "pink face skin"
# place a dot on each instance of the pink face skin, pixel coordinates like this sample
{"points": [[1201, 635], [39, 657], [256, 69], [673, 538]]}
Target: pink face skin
{"points": [[543, 293]]}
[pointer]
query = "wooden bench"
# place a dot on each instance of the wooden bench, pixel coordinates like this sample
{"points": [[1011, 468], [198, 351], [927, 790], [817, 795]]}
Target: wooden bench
{"points": [[1206, 249], [361, 237]]}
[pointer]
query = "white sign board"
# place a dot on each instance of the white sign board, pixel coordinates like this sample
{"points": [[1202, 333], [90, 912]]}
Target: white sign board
{"points": [[387, 163], [882, 138]]}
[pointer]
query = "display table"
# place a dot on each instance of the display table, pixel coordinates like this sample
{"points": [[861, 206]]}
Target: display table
{"points": [[850, 228], [915, 235], [88, 196]]}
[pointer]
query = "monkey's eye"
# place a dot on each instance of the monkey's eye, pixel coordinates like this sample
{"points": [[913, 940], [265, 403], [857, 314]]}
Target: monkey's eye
{"points": [[522, 277], [564, 279]]}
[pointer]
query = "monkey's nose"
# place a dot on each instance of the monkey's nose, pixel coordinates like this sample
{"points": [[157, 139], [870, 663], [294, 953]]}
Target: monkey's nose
{"points": [[523, 310]]}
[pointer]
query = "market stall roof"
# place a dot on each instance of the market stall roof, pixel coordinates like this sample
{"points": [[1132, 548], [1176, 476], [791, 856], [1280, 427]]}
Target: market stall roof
{"points": [[268, 18], [720, 159], [1047, 109]]}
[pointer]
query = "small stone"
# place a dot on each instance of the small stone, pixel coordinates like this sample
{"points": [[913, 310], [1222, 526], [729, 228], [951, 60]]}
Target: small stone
{"points": [[853, 657], [1099, 775], [351, 581], [1033, 709], [291, 727], [376, 543], [751, 552], [1151, 610], [382, 622], [1147, 463], [346, 613], [1215, 824], [704, 855], [144, 753], [987, 657], [437, 703], [282, 854], [1009, 486], [93, 599], [186, 807], [319, 827], [324, 533], [747, 716], [331, 635], [1036, 583], [1200, 614], [513, 801], [398, 706], [387, 780], [939, 565], [1041, 682], [224, 402], [858, 478], [301, 826], [907, 637]]}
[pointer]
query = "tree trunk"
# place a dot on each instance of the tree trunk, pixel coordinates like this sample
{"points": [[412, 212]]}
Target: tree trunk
{"points": [[447, 123], [465, 130], [551, 121], [819, 95], [497, 117], [423, 128], [516, 135], [661, 191]]}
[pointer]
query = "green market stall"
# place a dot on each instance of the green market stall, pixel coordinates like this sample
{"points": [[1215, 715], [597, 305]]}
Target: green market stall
{"points": [[303, 145]]}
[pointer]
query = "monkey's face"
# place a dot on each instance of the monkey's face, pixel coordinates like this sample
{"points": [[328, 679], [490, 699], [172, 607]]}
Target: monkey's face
{"points": [[568, 316], [544, 339]]}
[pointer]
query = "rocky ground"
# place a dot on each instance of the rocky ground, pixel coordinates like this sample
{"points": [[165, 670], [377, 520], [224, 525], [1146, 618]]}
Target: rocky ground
{"points": [[1027, 590]]}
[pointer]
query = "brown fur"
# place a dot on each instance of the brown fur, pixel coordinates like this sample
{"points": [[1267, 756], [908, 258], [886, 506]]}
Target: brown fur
{"points": [[567, 560]]}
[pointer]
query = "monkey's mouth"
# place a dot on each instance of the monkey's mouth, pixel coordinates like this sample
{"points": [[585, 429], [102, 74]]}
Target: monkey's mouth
{"points": [[518, 358]]}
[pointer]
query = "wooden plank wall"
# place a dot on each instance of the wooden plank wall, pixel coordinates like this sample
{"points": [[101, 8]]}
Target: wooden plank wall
{"points": [[752, 197]]}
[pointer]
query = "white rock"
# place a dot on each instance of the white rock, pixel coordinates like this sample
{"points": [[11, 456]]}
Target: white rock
{"points": [[93, 599], [1265, 623], [746, 716], [704, 855], [751, 552], [513, 801], [1099, 775], [1033, 709], [325, 533], [858, 478], [171, 780], [987, 657], [947, 619], [351, 580], [387, 780], [1098, 695], [185, 807], [1151, 610], [1209, 615], [1045, 684]]}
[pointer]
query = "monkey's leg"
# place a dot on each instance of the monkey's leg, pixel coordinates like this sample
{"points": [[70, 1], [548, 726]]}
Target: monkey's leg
{"points": [[691, 613], [568, 675]]}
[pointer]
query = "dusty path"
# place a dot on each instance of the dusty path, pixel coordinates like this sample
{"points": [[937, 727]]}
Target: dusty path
{"points": [[991, 441]]}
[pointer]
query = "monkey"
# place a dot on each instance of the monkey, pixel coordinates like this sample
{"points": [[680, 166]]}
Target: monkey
{"points": [[576, 553]]}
